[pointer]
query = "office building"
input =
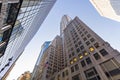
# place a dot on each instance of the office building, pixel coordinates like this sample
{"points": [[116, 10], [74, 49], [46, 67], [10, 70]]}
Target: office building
{"points": [[84, 56], [37, 65], [19, 21], [51, 61], [108, 8]]}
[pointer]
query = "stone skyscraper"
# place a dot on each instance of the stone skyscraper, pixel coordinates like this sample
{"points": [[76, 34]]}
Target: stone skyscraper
{"points": [[82, 53]]}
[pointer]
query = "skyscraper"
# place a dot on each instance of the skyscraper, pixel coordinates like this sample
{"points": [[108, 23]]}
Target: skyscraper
{"points": [[36, 67], [19, 21], [108, 8], [84, 55]]}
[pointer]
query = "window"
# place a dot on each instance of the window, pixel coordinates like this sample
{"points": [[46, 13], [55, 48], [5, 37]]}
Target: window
{"points": [[66, 72], [80, 32], [85, 53], [82, 47], [72, 69], [88, 60], [79, 43], [75, 59], [76, 77], [76, 45], [103, 52], [111, 69], [87, 43], [92, 39], [76, 67], [63, 74], [91, 74], [86, 32], [80, 56], [83, 63], [71, 62], [71, 49], [70, 56], [78, 50], [88, 35], [96, 56], [82, 35], [73, 53], [75, 41], [84, 38], [83, 29], [96, 45], [91, 49]]}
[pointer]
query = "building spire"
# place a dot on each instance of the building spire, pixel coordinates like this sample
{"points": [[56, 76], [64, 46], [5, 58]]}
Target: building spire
{"points": [[64, 21]]}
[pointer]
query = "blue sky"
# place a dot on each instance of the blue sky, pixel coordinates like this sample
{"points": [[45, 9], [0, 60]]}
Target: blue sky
{"points": [[108, 29]]}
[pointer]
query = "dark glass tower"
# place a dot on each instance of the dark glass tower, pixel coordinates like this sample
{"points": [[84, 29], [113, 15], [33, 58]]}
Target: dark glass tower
{"points": [[19, 21]]}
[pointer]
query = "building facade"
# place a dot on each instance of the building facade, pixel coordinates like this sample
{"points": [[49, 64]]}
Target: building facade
{"points": [[36, 67], [108, 8], [51, 62], [85, 55], [19, 21]]}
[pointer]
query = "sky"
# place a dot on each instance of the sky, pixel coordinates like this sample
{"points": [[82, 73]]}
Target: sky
{"points": [[108, 29]]}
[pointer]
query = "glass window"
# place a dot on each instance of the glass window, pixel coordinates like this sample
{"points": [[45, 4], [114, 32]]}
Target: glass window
{"points": [[87, 43], [82, 35], [85, 53], [76, 77], [75, 59], [71, 62], [76, 45], [103, 52], [88, 35], [84, 38], [83, 63], [73, 53], [63, 74], [96, 56], [88, 60], [91, 49], [80, 56], [91, 74], [79, 43], [70, 56], [72, 69], [76, 67], [82, 47], [111, 69], [86, 32], [92, 39], [78, 50], [96, 45], [66, 72]]}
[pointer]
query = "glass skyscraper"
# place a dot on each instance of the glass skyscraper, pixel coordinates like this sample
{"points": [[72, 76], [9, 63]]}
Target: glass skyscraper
{"points": [[19, 21]]}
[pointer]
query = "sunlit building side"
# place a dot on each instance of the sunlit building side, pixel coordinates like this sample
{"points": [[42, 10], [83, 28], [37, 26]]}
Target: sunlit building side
{"points": [[108, 8]]}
